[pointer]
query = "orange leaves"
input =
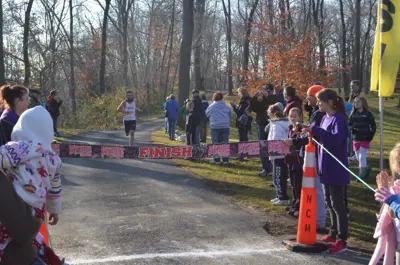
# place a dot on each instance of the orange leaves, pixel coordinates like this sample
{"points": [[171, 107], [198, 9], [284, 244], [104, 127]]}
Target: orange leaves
{"points": [[288, 60]]}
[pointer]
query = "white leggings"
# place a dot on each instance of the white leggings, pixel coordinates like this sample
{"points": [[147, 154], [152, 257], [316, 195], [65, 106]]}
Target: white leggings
{"points": [[361, 155]]}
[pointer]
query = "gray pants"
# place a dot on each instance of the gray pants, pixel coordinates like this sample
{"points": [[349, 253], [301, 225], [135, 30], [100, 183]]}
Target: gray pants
{"points": [[335, 201]]}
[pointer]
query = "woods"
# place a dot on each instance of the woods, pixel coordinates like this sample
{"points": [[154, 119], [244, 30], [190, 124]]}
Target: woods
{"points": [[159, 47]]}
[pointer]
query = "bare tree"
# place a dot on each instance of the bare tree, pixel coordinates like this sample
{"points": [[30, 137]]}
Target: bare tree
{"points": [[2, 69], [228, 23], [200, 9], [246, 46], [343, 49], [72, 90], [102, 85], [186, 50], [26, 43]]}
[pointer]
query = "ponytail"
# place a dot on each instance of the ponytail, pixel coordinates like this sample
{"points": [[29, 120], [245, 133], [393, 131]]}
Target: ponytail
{"points": [[339, 106]]}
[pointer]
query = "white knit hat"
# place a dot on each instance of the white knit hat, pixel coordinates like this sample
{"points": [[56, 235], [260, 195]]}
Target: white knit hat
{"points": [[34, 125]]}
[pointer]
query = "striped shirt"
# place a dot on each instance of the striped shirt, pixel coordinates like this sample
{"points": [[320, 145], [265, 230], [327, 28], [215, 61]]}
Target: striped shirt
{"points": [[363, 125]]}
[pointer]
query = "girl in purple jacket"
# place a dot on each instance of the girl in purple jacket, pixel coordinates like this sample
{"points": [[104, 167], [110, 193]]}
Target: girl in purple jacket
{"points": [[332, 133]]}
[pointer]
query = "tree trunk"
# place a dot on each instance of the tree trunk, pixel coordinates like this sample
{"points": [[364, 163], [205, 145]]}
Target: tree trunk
{"points": [[200, 9], [246, 46], [2, 66], [102, 85], [26, 43], [71, 60], [318, 18], [186, 50], [343, 50], [228, 22], [170, 49], [357, 44]]}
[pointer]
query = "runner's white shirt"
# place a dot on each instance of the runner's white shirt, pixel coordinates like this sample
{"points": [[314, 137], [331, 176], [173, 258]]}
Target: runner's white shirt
{"points": [[130, 107]]}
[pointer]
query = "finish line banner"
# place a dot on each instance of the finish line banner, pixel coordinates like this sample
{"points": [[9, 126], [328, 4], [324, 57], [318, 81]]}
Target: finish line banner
{"points": [[244, 149]]}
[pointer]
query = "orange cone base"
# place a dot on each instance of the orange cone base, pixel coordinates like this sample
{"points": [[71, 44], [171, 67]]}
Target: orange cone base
{"points": [[292, 245]]}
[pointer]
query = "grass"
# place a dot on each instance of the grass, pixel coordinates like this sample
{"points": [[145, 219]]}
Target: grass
{"points": [[240, 182]]}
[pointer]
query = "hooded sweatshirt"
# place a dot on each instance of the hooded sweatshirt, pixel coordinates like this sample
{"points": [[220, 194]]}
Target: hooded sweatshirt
{"points": [[278, 130], [219, 114], [31, 164]]}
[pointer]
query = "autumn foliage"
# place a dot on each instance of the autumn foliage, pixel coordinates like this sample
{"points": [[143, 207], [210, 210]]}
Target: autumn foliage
{"points": [[288, 60]]}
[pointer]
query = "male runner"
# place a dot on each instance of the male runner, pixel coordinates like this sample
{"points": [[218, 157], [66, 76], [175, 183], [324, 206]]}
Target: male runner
{"points": [[128, 108]]}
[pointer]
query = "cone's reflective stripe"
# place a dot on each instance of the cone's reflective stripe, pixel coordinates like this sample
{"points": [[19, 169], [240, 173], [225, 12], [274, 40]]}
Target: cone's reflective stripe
{"points": [[309, 160], [308, 182]]}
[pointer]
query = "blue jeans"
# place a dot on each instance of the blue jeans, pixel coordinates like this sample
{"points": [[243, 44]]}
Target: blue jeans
{"points": [[171, 128], [266, 164], [196, 139], [166, 124], [243, 134], [220, 136], [38, 261]]}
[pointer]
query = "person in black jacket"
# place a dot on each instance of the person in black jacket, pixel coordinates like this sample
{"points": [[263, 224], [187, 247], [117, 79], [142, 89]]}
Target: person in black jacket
{"points": [[259, 104], [198, 115], [203, 125], [243, 129], [53, 106]]}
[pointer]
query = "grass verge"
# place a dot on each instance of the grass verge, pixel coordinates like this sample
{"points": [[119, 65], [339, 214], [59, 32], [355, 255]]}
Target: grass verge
{"points": [[239, 180]]}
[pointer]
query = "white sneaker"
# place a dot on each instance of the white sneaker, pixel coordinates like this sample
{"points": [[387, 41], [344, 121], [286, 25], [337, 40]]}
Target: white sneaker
{"points": [[353, 158], [274, 200], [226, 163], [282, 203], [214, 162]]}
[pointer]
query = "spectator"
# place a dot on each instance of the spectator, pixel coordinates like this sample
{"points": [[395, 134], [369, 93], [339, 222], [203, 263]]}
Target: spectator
{"points": [[219, 114], [243, 127], [355, 90], [203, 125], [16, 100], [279, 130], [34, 98], [165, 115], [363, 127], [332, 135], [53, 106], [280, 97], [293, 101], [199, 115], [259, 104], [190, 133], [172, 108]]}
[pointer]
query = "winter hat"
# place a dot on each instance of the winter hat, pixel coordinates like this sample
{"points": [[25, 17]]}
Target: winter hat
{"points": [[280, 105], [34, 125], [313, 90]]}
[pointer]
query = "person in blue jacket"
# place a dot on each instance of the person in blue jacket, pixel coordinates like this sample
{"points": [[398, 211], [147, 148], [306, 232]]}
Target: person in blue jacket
{"points": [[172, 108]]}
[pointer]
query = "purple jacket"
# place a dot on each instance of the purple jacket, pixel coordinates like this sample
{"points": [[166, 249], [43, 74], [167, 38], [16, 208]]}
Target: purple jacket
{"points": [[10, 116], [333, 133]]}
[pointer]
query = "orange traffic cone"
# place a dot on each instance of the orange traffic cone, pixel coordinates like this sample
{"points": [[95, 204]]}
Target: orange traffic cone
{"points": [[43, 229], [307, 226]]}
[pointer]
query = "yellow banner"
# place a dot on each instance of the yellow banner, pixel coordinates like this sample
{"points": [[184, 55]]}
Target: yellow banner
{"points": [[386, 53]]}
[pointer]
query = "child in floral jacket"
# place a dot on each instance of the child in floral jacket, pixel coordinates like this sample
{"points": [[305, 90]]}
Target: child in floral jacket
{"points": [[33, 167]]}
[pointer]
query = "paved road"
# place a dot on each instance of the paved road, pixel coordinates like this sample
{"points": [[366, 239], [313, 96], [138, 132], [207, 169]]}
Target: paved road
{"points": [[151, 212]]}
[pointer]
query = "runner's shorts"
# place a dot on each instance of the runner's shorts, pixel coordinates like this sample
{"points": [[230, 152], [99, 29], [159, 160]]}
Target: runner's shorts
{"points": [[129, 126]]}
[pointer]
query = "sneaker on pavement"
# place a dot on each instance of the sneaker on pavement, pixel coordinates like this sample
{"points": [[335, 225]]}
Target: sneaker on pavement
{"points": [[337, 247], [294, 214], [282, 203], [328, 239]]}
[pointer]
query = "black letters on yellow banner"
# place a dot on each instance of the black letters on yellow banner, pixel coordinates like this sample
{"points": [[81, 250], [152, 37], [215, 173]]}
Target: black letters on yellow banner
{"points": [[387, 18]]}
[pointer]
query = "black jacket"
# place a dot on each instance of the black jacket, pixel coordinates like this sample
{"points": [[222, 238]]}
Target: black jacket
{"points": [[53, 107], [241, 109], [259, 105], [199, 114]]}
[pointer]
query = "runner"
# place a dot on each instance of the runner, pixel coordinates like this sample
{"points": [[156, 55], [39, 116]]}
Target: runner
{"points": [[128, 108]]}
